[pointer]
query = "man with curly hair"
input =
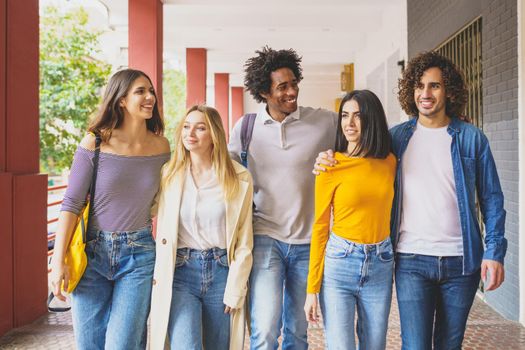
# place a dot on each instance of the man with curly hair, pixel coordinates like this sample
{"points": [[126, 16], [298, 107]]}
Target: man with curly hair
{"points": [[286, 139], [443, 164]]}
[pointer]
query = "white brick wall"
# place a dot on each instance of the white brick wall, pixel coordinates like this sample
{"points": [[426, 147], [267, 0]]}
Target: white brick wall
{"points": [[500, 119], [430, 22]]}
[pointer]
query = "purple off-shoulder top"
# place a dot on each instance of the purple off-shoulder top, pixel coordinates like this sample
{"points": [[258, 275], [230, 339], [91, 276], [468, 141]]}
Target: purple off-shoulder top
{"points": [[125, 188]]}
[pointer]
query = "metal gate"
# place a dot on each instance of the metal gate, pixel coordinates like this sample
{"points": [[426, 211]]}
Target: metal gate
{"points": [[464, 49]]}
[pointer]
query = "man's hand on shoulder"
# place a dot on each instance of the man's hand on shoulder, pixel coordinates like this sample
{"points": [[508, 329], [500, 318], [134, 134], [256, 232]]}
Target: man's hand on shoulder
{"points": [[495, 272], [323, 160]]}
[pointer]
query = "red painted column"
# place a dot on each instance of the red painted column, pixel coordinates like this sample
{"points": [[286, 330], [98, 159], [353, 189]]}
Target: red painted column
{"points": [[3, 38], [6, 252], [222, 98], [22, 87], [145, 40], [195, 76], [29, 247], [237, 104], [6, 195], [23, 191]]}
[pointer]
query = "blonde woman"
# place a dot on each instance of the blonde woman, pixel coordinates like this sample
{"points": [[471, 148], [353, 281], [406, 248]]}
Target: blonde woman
{"points": [[204, 240]]}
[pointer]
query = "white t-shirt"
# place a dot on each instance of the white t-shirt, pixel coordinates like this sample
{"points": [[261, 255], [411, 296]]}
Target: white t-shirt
{"points": [[202, 222], [430, 223]]}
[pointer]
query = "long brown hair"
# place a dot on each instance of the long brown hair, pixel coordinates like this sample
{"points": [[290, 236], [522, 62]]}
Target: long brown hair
{"points": [[220, 157], [110, 115]]}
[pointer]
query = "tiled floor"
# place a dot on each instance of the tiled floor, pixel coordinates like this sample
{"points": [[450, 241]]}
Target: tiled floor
{"points": [[485, 330]]}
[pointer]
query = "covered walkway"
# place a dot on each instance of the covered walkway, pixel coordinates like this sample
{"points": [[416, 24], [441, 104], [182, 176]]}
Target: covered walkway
{"points": [[486, 330], [23, 275]]}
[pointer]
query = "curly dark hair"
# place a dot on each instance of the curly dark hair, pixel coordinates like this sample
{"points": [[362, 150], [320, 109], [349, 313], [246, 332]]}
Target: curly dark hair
{"points": [[455, 87], [258, 69]]}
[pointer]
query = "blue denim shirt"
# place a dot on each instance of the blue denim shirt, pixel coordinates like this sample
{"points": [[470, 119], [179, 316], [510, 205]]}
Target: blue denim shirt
{"points": [[474, 171]]}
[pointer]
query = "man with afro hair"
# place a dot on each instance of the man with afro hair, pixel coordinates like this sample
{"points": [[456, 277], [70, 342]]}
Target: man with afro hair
{"points": [[285, 141]]}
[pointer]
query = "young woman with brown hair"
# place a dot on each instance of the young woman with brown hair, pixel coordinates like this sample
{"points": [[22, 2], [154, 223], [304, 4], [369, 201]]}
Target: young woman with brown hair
{"points": [[110, 304]]}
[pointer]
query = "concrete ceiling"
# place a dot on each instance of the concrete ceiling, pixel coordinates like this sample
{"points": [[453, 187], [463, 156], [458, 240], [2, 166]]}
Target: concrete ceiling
{"points": [[326, 33]]}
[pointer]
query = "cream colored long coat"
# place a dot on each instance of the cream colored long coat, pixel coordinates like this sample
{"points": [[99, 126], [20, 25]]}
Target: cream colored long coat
{"points": [[239, 246]]}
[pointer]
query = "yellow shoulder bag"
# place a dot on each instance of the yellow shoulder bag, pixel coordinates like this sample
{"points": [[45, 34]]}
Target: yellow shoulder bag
{"points": [[75, 257]]}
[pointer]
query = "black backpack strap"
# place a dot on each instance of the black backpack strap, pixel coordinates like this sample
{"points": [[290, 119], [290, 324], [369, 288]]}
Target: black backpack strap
{"points": [[246, 136], [98, 141]]}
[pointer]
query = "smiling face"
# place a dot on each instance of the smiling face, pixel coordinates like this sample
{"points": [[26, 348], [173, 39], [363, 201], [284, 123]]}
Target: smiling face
{"points": [[430, 96], [140, 99], [282, 98], [351, 124], [196, 134]]}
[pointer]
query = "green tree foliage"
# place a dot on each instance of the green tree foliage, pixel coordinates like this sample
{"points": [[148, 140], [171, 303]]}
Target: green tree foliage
{"points": [[174, 100], [71, 80]]}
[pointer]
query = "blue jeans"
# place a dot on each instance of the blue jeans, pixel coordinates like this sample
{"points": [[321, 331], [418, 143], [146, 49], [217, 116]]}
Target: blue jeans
{"points": [[112, 300], [278, 293], [197, 318], [434, 297], [356, 277]]}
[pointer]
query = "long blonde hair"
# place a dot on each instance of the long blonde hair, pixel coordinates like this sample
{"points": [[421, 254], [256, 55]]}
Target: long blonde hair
{"points": [[220, 157]]}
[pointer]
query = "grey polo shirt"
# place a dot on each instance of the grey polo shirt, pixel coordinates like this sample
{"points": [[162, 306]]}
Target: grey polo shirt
{"points": [[281, 158]]}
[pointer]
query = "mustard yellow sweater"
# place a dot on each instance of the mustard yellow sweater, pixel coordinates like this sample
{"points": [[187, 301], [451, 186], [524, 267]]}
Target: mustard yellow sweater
{"points": [[360, 191]]}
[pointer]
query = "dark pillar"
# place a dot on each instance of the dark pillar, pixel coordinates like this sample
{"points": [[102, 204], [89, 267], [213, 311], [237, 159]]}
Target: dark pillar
{"points": [[6, 252], [237, 104], [145, 40], [222, 98], [195, 76], [23, 191]]}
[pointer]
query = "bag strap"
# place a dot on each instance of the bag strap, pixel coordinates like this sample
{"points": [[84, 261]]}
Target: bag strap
{"points": [[98, 141], [56, 308], [246, 136]]}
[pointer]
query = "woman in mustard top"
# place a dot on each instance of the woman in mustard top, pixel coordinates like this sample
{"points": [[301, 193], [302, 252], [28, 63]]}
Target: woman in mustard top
{"points": [[351, 263]]}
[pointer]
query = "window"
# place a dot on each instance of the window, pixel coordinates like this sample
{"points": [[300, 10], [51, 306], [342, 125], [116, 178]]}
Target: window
{"points": [[464, 49]]}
